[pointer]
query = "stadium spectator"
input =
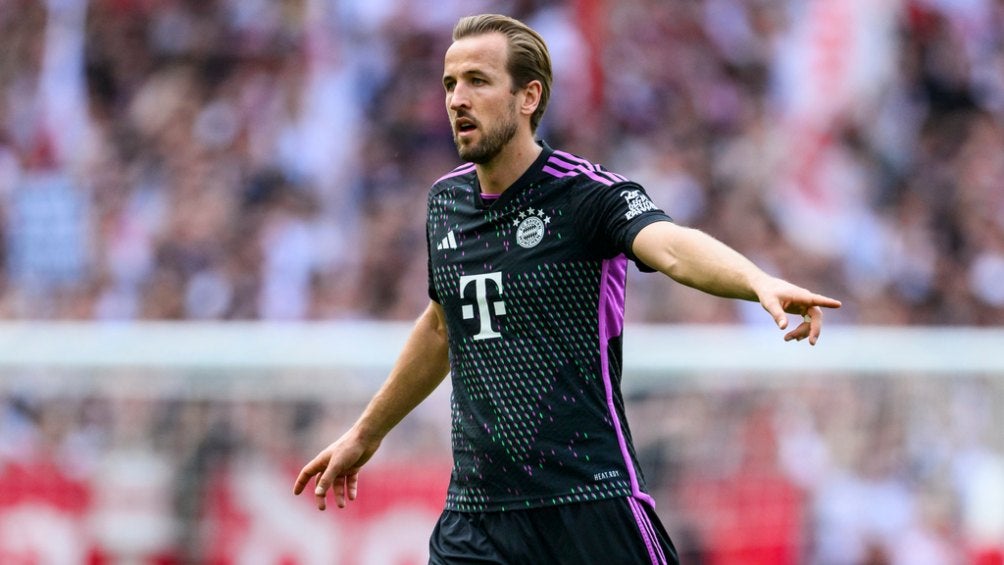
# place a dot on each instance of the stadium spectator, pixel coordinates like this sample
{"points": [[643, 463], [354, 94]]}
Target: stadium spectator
{"points": [[170, 113]]}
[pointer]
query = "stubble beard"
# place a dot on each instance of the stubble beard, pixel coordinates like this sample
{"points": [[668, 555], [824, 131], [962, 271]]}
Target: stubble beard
{"points": [[493, 142]]}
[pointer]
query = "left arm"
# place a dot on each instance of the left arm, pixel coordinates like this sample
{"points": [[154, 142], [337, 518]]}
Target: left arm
{"points": [[698, 260]]}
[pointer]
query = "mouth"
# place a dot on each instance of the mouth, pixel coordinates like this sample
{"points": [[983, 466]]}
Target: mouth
{"points": [[464, 126]]}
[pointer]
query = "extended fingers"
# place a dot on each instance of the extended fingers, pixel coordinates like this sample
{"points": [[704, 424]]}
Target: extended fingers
{"points": [[801, 331], [825, 301], [776, 311], [337, 488], [812, 324], [815, 315], [307, 473], [344, 486], [330, 479], [326, 469], [789, 299], [353, 484]]}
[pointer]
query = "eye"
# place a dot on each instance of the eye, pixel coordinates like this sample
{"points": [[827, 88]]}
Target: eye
{"points": [[478, 81]]}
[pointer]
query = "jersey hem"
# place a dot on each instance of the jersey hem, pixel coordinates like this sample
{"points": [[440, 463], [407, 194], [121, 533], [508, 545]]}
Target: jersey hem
{"points": [[545, 502]]}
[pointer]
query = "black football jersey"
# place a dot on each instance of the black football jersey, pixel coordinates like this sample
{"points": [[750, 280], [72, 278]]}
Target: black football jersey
{"points": [[532, 283]]}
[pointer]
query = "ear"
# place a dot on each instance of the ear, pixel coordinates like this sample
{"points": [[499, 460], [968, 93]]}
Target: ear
{"points": [[530, 97]]}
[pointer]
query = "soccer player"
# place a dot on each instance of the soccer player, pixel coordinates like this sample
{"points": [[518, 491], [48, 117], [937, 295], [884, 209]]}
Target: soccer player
{"points": [[528, 249]]}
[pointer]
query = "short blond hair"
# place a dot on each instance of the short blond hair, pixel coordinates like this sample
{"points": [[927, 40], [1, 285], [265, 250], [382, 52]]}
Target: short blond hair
{"points": [[528, 58]]}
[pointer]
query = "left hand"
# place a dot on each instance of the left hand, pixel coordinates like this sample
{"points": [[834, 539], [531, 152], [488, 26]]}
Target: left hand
{"points": [[779, 297]]}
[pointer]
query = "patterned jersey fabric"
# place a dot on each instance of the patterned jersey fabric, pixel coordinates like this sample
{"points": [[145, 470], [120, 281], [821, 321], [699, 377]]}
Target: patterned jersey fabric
{"points": [[532, 285]]}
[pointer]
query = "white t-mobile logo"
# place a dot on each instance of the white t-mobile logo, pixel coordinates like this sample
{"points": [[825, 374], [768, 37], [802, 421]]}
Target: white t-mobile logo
{"points": [[481, 294]]}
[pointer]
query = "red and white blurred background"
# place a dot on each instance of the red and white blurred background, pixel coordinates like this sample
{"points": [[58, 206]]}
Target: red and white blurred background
{"points": [[211, 215], [178, 443]]}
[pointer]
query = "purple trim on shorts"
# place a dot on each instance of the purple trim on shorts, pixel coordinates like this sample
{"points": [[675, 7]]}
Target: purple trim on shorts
{"points": [[648, 534], [651, 530], [643, 531], [611, 323], [461, 170]]}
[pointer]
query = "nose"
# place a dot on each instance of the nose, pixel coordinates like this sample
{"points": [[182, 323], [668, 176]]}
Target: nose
{"points": [[458, 98]]}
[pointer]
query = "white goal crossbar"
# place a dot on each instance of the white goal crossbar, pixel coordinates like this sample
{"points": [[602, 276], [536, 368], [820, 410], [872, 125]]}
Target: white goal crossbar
{"points": [[358, 345]]}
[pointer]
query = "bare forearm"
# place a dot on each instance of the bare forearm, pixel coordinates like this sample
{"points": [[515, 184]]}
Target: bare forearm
{"points": [[421, 366], [419, 369], [698, 260]]}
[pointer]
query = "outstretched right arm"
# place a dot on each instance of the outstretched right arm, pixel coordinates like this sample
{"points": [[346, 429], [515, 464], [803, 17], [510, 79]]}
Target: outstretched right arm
{"points": [[421, 366]]}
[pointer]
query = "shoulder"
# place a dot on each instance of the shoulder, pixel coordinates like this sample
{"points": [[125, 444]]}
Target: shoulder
{"points": [[590, 185], [462, 175], [565, 165], [600, 191]]}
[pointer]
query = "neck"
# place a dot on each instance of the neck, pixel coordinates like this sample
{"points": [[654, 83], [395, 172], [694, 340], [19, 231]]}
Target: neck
{"points": [[498, 174]]}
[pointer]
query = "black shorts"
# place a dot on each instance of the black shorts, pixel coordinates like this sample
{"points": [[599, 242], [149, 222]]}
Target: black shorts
{"points": [[604, 532]]}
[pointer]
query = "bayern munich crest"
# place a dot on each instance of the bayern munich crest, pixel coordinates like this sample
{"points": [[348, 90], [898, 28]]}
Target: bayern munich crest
{"points": [[530, 227]]}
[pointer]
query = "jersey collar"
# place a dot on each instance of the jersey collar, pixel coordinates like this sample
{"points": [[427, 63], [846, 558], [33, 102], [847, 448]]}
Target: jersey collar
{"points": [[532, 173]]}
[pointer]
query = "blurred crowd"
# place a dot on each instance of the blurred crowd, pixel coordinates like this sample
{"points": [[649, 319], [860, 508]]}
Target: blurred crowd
{"points": [[226, 159]]}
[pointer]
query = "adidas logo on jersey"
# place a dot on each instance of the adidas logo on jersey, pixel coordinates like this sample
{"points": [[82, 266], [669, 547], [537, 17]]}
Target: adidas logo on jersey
{"points": [[449, 242]]}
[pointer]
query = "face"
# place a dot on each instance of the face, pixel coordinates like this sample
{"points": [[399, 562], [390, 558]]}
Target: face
{"points": [[479, 97]]}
